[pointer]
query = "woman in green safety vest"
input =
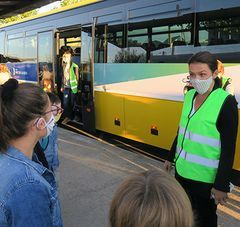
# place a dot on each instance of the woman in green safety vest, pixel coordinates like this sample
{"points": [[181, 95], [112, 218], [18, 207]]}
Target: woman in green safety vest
{"points": [[204, 148]]}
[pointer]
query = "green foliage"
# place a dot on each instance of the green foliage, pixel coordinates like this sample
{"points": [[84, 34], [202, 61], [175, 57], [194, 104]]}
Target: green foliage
{"points": [[33, 12], [69, 2], [18, 17]]}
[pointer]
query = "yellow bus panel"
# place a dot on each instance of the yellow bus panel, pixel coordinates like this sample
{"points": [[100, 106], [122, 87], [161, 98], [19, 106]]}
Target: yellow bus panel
{"points": [[147, 120], [108, 109], [144, 116]]}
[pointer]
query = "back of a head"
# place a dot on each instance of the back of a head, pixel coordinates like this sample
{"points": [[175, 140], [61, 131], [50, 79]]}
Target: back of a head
{"points": [[53, 98], [69, 50], [150, 199], [19, 105], [77, 50], [204, 57]]}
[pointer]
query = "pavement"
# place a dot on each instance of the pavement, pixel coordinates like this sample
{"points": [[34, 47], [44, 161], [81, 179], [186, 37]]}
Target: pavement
{"points": [[90, 172]]}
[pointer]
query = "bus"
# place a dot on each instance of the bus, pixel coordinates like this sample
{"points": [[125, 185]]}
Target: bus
{"points": [[132, 58]]}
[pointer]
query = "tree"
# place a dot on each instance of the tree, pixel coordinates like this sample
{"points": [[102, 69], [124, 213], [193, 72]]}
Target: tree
{"points": [[18, 17], [69, 2], [33, 12]]}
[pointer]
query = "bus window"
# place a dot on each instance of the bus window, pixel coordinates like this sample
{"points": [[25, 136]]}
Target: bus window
{"points": [[2, 46], [138, 44], [219, 31], [15, 50], [21, 57], [100, 44], [115, 44], [30, 49], [45, 61], [86, 54], [220, 36], [170, 41]]}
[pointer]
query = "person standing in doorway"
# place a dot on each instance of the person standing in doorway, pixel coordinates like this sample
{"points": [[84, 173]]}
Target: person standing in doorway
{"points": [[69, 84]]}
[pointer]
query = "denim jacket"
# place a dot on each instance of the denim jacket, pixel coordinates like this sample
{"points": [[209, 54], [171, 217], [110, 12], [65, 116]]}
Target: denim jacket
{"points": [[50, 147], [28, 195]]}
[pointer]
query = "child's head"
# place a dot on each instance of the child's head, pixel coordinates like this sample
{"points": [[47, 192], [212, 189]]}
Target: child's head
{"points": [[56, 105], [151, 198]]}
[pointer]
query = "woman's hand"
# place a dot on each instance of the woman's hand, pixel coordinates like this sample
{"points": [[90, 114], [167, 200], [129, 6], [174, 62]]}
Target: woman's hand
{"points": [[219, 196], [168, 166]]}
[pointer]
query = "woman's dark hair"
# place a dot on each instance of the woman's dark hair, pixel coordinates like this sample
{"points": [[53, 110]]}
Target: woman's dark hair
{"points": [[53, 98], [206, 58], [19, 105]]}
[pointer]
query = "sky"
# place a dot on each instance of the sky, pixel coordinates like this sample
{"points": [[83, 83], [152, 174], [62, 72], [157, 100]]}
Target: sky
{"points": [[49, 7]]}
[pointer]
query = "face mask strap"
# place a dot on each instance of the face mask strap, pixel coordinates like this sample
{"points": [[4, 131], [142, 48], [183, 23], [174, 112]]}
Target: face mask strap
{"points": [[52, 119], [38, 120]]}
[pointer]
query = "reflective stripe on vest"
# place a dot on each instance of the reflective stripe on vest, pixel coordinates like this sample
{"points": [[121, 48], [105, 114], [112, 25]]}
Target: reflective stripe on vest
{"points": [[199, 145], [197, 159], [73, 79], [200, 138]]}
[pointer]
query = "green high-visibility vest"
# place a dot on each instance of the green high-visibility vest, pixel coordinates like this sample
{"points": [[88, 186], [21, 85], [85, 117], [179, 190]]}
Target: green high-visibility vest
{"points": [[198, 142], [73, 78]]}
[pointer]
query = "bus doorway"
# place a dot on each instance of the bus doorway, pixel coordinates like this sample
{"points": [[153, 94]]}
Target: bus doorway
{"points": [[75, 102]]}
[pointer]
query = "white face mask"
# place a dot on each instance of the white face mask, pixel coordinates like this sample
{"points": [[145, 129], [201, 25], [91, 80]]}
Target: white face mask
{"points": [[66, 58], [201, 86], [50, 125]]}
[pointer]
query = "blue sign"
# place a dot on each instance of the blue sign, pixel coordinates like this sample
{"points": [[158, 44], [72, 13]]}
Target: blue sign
{"points": [[23, 71]]}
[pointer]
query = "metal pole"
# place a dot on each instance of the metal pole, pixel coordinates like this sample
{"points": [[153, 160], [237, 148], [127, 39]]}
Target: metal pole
{"points": [[93, 56]]}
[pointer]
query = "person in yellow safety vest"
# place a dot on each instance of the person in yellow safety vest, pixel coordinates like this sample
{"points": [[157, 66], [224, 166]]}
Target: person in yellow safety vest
{"points": [[69, 84], [226, 82], [204, 148]]}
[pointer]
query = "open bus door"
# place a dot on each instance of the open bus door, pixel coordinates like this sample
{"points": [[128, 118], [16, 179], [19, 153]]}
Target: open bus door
{"points": [[82, 106], [87, 75]]}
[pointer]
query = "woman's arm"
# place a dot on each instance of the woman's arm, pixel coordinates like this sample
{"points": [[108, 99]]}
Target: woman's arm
{"points": [[172, 151], [30, 205], [227, 125]]}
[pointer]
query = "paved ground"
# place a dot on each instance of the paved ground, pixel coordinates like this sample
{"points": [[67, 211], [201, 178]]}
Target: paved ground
{"points": [[90, 172]]}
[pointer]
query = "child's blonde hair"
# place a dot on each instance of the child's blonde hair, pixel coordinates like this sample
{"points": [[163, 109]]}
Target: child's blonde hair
{"points": [[150, 199]]}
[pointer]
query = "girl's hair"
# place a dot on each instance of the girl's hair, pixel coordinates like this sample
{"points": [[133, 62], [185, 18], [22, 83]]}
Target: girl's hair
{"points": [[220, 68], [53, 98], [150, 198], [19, 105], [206, 58]]}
